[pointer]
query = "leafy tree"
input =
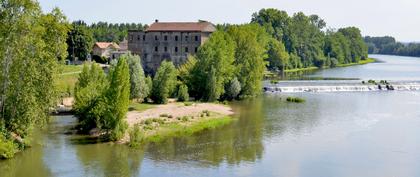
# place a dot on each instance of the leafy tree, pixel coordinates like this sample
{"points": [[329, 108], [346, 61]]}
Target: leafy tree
{"points": [[118, 99], [164, 82], [79, 41], [90, 103], [110, 32], [149, 83], [358, 48], [138, 88], [217, 53], [278, 57], [183, 93], [250, 52], [31, 43]]}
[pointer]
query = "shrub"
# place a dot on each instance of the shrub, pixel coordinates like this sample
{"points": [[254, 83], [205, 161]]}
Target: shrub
{"points": [[233, 89], [185, 119], [188, 103], [183, 93], [274, 81], [7, 148], [136, 136], [295, 99], [164, 115]]}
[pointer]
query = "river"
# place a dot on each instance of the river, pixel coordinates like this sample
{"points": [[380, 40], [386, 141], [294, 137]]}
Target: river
{"points": [[333, 134]]}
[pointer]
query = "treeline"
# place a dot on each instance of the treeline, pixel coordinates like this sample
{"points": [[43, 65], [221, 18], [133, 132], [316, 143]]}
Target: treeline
{"points": [[30, 43], [307, 42], [112, 32], [389, 46]]}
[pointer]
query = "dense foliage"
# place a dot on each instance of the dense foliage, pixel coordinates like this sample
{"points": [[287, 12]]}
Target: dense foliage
{"points": [[79, 41], [102, 102], [110, 32], [139, 90], [389, 46], [164, 82], [306, 41], [30, 44]]}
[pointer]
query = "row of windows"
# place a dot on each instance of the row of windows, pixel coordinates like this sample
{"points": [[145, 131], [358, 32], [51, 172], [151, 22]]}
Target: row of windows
{"points": [[165, 38], [176, 49]]}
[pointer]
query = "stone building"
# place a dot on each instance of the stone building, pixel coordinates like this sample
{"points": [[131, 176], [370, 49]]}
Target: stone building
{"points": [[172, 41], [104, 49]]}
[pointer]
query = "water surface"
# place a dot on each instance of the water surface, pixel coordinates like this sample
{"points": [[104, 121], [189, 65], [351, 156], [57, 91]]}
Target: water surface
{"points": [[335, 134]]}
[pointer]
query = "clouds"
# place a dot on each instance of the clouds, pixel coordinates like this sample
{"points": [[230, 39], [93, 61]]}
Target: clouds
{"points": [[375, 17]]}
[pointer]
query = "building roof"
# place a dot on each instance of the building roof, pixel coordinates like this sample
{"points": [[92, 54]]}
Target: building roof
{"points": [[201, 26], [104, 45]]}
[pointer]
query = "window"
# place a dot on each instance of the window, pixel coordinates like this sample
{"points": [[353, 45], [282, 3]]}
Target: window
{"points": [[144, 37], [196, 38], [196, 50], [166, 49], [131, 38], [176, 49], [186, 49], [186, 38], [166, 38], [138, 37], [156, 38], [176, 38], [156, 49]]}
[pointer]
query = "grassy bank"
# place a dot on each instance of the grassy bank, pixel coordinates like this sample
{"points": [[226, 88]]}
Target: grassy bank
{"points": [[361, 62], [68, 78], [140, 106], [184, 128], [301, 69]]}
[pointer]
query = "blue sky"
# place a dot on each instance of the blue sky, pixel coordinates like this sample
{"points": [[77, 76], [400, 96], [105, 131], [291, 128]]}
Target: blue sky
{"points": [[398, 18]]}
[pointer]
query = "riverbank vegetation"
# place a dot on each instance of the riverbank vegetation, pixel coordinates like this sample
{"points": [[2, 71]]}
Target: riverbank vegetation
{"points": [[387, 45], [31, 45]]}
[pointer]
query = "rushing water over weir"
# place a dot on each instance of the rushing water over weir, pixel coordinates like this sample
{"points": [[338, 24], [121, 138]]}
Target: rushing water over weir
{"points": [[339, 86]]}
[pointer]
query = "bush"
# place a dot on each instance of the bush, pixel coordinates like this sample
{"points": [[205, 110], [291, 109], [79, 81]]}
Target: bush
{"points": [[136, 136], [188, 103], [183, 93], [7, 148], [295, 99], [233, 89], [185, 119]]}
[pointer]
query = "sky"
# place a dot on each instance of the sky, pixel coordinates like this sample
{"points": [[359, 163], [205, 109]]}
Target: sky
{"points": [[397, 18]]}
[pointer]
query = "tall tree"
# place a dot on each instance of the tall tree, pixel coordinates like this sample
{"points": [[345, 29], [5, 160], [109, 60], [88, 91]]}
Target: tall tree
{"points": [[138, 87], [118, 99], [79, 41], [30, 45], [250, 52], [358, 47]]}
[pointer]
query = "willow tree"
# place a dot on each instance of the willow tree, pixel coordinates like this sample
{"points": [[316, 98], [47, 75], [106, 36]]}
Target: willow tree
{"points": [[30, 45]]}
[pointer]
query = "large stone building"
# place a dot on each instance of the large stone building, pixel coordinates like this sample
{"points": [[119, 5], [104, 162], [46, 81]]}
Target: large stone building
{"points": [[172, 41]]}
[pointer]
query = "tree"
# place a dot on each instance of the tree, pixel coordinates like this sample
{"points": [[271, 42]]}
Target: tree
{"points": [[164, 82], [117, 100], [138, 87], [278, 57], [90, 103], [79, 41], [250, 52], [30, 45], [358, 48], [217, 53]]}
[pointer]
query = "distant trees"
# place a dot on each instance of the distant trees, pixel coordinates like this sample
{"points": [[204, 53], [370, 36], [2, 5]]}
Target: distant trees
{"points": [[79, 41], [389, 46], [31, 43], [306, 42], [112, 32]]}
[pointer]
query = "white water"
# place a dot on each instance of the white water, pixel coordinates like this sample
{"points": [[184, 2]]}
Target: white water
{"points": [[339, 87]]}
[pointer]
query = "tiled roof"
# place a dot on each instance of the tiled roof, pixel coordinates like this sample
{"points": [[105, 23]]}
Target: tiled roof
{"points": [[182, 26], [104, 45]]}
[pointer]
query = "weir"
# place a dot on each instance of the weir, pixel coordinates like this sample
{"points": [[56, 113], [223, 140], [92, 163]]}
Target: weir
{"points": [[296, 87]]}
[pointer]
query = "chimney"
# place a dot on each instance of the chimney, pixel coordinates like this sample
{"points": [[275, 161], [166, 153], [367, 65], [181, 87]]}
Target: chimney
{"points": [[156, 21]]}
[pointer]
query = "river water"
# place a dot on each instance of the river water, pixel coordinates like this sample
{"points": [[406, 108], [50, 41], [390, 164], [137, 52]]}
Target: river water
{"points": [[333, 134]]}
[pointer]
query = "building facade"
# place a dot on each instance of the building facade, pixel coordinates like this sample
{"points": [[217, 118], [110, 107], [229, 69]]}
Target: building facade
{"points": [[172, 41]]}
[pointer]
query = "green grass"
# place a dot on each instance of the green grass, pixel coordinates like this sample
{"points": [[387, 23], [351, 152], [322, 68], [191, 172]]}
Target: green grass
{"points": [[71, 68], [178, 129], [301, 69], [361, 62], [140, 106]]}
